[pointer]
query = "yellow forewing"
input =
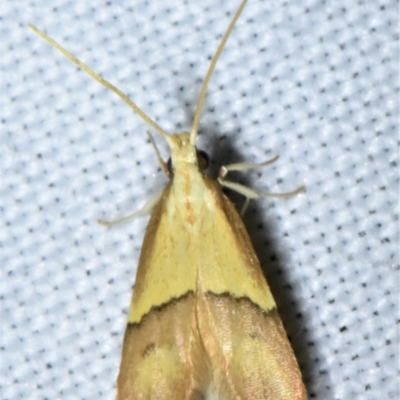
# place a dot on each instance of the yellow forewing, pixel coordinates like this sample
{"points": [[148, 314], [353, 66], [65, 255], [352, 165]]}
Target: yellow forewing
{"points": [[226, 260], [163, 274], [208, 251]]}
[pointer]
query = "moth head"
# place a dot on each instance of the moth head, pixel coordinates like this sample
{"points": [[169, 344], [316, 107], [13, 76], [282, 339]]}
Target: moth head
{"points": [[185, 154]]}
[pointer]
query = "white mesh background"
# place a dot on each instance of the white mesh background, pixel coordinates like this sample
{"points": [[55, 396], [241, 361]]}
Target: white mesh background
{"points": [[314, 81]]}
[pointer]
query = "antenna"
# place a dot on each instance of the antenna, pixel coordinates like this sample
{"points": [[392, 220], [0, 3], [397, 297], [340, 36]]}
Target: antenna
{"points": [[105, 83], [193, 133]]}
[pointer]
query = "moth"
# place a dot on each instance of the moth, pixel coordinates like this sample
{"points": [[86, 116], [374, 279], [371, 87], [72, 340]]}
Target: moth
{"points": [[202, 321]]}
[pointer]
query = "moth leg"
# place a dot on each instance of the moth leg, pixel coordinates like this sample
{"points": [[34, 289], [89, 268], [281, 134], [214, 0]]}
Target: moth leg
{"points": [[150, 204], [162, 163], [243, 166], [146, 209], [246, 191]]}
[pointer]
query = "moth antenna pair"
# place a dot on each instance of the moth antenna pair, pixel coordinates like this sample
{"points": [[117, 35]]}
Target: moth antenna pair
{"points": [[127, 100]]}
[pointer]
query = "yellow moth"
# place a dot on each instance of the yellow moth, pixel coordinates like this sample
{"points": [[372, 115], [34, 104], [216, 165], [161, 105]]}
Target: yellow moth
{"points": [[202, 322]]}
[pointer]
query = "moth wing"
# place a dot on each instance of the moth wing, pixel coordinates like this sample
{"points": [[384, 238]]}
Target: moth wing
{"points": [[242, 332], [162, 357]]}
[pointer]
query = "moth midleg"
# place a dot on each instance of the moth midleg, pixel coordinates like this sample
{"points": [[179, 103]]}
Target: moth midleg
{"points": [[146, 209], [247, 192]]}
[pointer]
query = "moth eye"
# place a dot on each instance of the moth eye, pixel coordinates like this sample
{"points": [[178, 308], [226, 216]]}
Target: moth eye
{"points": [[169, 167], [202, 159]]}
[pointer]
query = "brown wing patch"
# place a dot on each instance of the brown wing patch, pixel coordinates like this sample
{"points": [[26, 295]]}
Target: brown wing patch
{"points": [[163, 357], [249, 350]]}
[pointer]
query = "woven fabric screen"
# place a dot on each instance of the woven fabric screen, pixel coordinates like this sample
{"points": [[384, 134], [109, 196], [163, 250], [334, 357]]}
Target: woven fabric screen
{"points": [[313, 81]]}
